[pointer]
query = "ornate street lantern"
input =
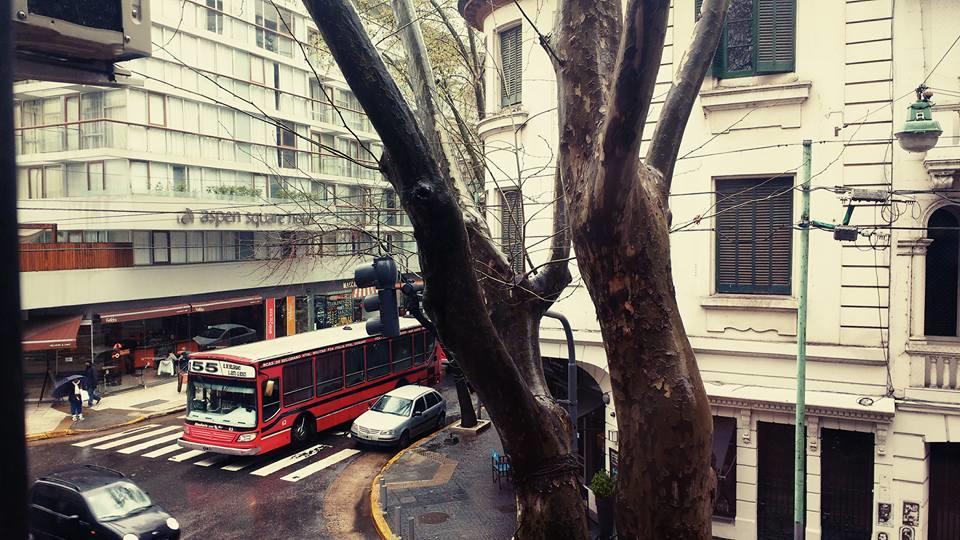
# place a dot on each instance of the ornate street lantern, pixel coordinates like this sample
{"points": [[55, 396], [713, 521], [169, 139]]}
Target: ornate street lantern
{"points": [[920, 132]]}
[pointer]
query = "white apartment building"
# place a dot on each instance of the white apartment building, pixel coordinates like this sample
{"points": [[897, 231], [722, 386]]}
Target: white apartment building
{"points": [[200, 195], [883, 395]]}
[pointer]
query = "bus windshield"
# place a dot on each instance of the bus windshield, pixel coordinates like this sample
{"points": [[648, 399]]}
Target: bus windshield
{"points": [[223, 401]]}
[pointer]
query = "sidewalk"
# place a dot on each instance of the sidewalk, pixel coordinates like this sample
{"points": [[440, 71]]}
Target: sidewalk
{"points": [[447, 487], [50, 420]]}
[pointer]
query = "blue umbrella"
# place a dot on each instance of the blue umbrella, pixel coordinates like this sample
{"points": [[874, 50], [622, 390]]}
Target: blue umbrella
{"points": [[64, 386]]}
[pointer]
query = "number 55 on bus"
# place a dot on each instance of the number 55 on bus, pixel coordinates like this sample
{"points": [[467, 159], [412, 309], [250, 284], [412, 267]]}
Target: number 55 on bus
{"points": [[258, 397]]}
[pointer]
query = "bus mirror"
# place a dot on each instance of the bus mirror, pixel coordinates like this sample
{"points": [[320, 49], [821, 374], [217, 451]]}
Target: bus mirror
{"points": [[268, 390]]}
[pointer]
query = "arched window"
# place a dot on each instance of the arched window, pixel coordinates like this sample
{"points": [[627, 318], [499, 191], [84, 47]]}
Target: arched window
{"points": [[943, 272]]}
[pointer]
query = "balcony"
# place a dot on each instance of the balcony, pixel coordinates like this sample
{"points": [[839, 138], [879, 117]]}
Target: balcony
{"points": [[943, 161], [75, 256]]}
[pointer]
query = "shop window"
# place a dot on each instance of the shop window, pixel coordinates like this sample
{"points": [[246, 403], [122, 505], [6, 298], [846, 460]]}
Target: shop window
{"points": [[378, 361], [754, 236], [329, 373], [724, 463], [354, 365], [758, 38], [270, 398], [401, 348], [297, 382]]}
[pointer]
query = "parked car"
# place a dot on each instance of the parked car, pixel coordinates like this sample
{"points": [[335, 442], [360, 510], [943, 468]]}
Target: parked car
{"points": [[224, 335], [399, 416], [96, 502]]}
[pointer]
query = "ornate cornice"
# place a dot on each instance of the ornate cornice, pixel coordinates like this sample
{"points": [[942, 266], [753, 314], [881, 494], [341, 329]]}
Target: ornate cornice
{"points": [[474, 11], [830, 412]]}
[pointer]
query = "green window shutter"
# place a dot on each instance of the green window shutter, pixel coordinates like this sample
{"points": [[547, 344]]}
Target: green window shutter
{"points": [[511, 63], [696, 9], [511, 226], [717, 66], [776, 35], [754, 236]]}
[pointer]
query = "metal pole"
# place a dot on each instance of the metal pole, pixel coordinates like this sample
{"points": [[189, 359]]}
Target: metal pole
{"points": [[13, 466], [383, 494], [411, 521], [800, 435], [571, 400]]}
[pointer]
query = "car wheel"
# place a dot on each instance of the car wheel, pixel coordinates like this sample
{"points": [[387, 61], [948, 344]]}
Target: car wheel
{"points": [[404, 440], [302, 430], [441, 420]]}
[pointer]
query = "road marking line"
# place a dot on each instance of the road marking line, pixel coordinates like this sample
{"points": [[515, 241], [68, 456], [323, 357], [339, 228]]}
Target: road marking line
{"points": [[163, 451], [148, 444], [300, 474], [290, 460], [190, 454], [138, 437], [99, 440], [242, 463], [211, 460]]}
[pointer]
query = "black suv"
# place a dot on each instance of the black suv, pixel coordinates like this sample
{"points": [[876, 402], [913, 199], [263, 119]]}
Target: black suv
{"points": [[96, 502]]}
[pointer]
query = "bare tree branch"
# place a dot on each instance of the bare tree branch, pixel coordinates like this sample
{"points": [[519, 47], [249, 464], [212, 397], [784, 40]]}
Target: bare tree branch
{"points": [[665, 145]]}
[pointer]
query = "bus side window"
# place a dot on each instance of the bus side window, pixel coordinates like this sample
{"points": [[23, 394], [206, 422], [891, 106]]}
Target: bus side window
{"points": [[329, 373], [354, 365], [271, 398], [418, 357], [431, 345]]}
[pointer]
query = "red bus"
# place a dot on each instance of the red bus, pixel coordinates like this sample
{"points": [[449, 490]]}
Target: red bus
{"points": [[258, 397]]}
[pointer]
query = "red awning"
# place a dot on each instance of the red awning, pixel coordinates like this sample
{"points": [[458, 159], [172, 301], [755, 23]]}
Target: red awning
{"points": [[136, 314], [228, 303], [51, 333], [364, 291]]}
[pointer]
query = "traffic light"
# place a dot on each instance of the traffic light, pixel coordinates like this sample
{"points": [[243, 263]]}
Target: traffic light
{"points": [[382, 274]]}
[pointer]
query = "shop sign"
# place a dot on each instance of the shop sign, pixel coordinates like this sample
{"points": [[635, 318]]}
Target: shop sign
{"points": [[222, 368], [270, 318], [256, 219]]}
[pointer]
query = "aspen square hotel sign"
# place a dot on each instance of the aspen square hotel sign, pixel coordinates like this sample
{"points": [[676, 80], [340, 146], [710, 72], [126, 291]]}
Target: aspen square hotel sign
{"points": [[217, 218]]}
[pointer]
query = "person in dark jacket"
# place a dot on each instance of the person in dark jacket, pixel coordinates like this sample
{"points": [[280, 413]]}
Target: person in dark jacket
{"points": [[90, 384], [183, 363]]}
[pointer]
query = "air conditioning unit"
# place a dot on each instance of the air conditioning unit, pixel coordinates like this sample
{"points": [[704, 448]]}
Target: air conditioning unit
{"points": [[79, 35]]}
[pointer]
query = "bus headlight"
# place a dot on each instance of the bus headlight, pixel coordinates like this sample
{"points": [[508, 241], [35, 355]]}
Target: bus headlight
{"points": [[247, 437]]}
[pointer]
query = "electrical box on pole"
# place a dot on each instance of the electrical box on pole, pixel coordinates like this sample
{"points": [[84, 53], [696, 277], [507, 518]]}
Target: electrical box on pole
{"points": [[382, 274]]}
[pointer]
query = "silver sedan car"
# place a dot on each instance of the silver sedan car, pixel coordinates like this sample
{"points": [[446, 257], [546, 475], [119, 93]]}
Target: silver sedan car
{"points": [[400, 416]]}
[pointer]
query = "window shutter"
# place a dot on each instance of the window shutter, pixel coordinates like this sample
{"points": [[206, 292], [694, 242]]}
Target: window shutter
{"points": [[754, 236], [511, 226], [776, 31], [696, 9], [717, 66], [510, 65]]}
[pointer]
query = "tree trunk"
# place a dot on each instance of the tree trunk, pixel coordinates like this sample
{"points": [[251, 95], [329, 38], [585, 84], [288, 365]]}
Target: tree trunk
{"points": [[666, 484], [468, 415]]}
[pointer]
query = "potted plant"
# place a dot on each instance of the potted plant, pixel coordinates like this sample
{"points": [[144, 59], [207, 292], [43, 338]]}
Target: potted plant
{"points": [[603, 487]]}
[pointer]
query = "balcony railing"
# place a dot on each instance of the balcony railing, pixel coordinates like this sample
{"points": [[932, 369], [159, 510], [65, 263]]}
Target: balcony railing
{"points": [[75, 256], [941, 371]]}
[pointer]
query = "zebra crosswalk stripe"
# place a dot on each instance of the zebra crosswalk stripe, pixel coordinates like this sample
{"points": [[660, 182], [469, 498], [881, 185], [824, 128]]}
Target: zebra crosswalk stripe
{"points": [[137, 437], [290, 460], [163, 451], [212, 460], [242, 463], [148, 444], [317, 466], [189, 454], [98, 440]]}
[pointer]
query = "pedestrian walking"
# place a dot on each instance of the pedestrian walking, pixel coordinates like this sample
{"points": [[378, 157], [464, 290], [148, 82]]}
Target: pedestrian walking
{"points": [[76, 400], [183, 363], [90, 384]]}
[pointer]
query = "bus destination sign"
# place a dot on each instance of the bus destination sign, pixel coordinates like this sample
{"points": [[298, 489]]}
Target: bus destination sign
{"points": [[224, 369]]}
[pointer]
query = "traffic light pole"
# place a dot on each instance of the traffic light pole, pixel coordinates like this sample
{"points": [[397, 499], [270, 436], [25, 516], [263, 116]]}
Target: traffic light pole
{"points": [[800, 434]]}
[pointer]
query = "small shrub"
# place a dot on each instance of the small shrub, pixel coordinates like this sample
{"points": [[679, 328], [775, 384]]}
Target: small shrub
{"points": [[602, 485]]}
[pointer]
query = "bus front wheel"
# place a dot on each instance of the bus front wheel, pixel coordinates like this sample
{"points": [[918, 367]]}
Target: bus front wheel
{"points": [[302, 430]]}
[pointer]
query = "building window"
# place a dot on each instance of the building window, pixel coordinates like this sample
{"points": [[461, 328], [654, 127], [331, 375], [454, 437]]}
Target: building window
{"points": [[511, 226], [96, 180], [758, 38], [245, 243], [724, 462], [215, 16], [179, 178], [157, 110], [287, 145], [319, 101], [942, 273], [161, 247], [511, 66], [141, 247], [178, 247], [274, 24], [754, 235]]}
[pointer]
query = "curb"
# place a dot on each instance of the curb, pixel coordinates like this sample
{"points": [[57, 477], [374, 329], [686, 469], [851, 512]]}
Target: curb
{"points": [[379, 520], [28, 401], [69, 431]]}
